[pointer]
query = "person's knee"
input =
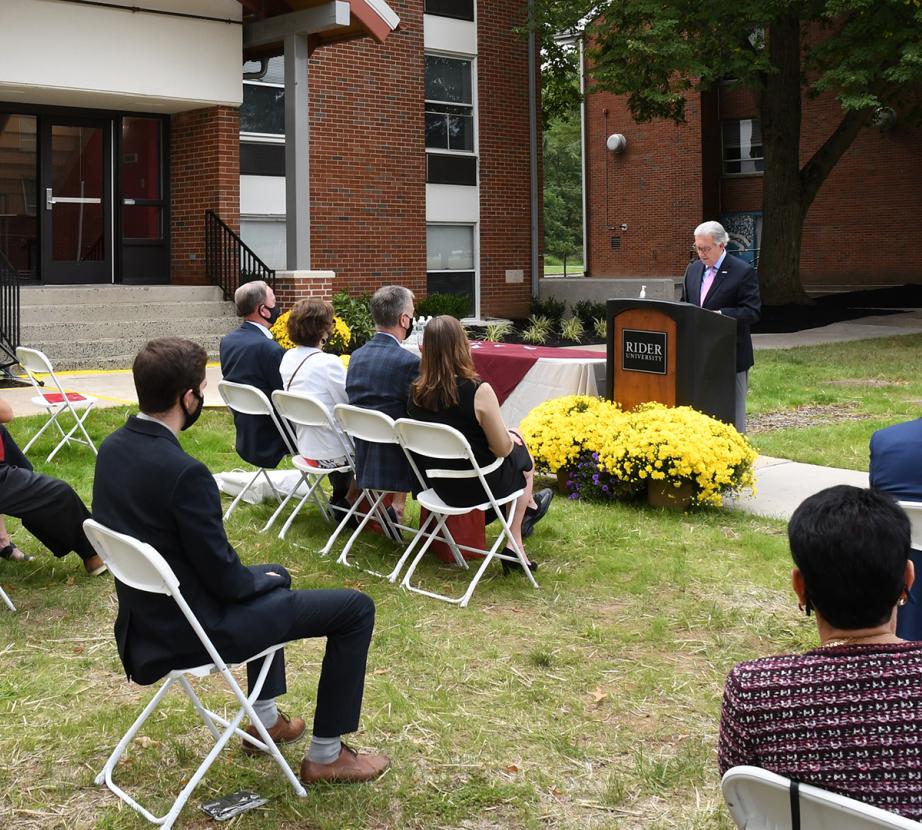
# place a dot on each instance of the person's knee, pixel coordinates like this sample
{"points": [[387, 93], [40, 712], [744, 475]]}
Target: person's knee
{"points": [[363, 607]]}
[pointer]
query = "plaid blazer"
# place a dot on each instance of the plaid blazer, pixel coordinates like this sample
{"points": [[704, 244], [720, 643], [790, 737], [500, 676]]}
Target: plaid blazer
{"points": [[379, 377]]}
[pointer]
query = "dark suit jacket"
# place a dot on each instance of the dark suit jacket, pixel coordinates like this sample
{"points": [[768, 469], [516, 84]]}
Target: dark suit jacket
{"points": [[148, 487], [248, 356], [734, 293], [379, 377], [896, 460]]}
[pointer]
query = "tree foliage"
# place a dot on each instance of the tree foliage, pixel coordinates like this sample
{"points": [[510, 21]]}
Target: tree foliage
{"points": [[563, 205], [864, 54]]}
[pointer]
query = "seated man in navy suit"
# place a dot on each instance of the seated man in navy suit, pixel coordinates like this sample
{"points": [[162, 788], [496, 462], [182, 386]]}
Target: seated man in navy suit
{"points": [[148, 487], [250, 355], [379, 377], [896, 468], [721, 282]]}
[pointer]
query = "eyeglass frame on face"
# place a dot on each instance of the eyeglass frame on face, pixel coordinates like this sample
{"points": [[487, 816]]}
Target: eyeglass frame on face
{"points": [[702, 250]]}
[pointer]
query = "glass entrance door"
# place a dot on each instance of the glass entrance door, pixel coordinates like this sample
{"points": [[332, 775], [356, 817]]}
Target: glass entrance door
{"points": [[76, 201]]}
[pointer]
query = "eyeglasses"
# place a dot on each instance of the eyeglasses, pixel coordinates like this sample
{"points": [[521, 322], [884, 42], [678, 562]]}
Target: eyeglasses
{"points": [[701, 249]]}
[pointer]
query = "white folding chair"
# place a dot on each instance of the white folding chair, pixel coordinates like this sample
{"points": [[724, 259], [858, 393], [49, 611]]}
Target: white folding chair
{"points": [[248, 400], [442, 442], [55, 403], [6, 599], [139, 566], [300, 409], [914, 511], [376, 428], [761, 800]]}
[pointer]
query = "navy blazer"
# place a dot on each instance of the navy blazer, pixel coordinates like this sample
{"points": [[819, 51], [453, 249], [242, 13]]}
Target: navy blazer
{"points": [[734, 293], [148, 487], [248, 356], [896, 460], [379, 377]]}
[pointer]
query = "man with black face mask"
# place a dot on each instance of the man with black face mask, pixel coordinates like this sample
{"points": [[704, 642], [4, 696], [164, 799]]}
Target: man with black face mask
{"points": [[147, 486], [250, 355]]}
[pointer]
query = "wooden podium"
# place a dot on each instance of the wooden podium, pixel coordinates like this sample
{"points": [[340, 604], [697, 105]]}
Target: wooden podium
{"points": [[674, 353]]}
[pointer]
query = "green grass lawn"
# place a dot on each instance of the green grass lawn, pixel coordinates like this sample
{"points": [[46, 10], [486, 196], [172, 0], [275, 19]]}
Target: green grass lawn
{"points": [[590, 703], [872, 383]]}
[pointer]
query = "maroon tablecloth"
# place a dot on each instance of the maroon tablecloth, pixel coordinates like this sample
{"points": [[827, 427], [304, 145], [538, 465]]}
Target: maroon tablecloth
{"points": [[503, 365]]}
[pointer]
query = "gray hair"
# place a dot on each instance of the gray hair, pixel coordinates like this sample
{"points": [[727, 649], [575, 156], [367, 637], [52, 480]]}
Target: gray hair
{"points": [[388, 303], [250, 296], [714, 230]]}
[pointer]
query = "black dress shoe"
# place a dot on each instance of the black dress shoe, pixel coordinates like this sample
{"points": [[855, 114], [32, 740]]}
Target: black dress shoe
{"points": [[533, 515], [515, 565]]}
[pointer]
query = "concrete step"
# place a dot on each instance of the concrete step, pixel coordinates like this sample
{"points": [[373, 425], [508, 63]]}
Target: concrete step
{"points": [[126, 312], [109, 353], [57, 295], [70, 332]]}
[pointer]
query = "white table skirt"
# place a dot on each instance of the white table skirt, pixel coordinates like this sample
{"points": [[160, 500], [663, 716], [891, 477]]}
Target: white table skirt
{"points": [[549, 378]]}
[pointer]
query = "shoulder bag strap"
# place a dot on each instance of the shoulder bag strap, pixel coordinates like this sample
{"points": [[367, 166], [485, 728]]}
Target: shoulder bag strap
{"points": [[308, 357]]}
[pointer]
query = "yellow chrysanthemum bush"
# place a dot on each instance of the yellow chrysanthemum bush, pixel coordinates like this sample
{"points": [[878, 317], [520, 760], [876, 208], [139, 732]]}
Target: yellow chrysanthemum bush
{"points": [[560, 431], [337, 344], [614, 454]]}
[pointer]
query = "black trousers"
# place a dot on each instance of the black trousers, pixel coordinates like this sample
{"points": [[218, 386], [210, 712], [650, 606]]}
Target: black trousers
{"points": [[48, 507], [346, 618]]}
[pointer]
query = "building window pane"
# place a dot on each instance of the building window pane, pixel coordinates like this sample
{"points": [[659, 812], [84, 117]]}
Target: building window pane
{"points": [[449, 104], [263, 109], [141, 222], [140, 171], [449, 248], [458, 9], [742, 147], [266, 237], [18, 210], [275, 71]]}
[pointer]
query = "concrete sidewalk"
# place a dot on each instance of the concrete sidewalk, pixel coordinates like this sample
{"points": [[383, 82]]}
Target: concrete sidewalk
{"points": [[781, 484]]}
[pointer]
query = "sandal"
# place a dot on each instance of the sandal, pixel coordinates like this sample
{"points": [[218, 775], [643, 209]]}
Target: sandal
{"points": [[11, 551]]}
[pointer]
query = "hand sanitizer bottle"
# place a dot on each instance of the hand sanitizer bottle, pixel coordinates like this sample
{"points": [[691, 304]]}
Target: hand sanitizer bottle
{"points": [[643, 292]]}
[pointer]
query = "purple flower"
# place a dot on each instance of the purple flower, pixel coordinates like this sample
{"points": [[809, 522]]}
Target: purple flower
{"points": [[573, 496]]}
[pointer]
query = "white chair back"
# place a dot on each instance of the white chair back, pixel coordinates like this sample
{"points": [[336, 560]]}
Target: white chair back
{"points": [[303, 410], [914, 511], [433, 440], [761, 800], [135, 563], [243, 398], [32, 360], [366, 424]]}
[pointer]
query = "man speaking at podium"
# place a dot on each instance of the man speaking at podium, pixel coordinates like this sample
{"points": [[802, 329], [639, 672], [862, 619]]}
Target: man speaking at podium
{"points": [[726, 284]]}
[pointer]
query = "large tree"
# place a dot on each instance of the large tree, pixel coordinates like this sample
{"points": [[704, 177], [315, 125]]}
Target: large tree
{"points": [[866, 54], [563, 203]]}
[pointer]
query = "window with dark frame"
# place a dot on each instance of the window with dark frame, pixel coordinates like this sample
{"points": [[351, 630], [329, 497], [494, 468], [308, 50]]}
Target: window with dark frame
{"points": [[458, 9], [449, 104], [742, 147]]}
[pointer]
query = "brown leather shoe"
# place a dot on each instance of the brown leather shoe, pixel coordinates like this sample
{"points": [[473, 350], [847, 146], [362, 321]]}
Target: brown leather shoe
{"points": [[94, 565], [285, 730], [350, 767]]}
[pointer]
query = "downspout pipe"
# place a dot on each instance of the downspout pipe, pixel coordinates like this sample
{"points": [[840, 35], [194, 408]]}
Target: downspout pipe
{"points": [[533, 148]]}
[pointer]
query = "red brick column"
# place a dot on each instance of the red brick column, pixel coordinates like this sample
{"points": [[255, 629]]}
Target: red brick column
{"points": [[204, 175], [291, 286]]}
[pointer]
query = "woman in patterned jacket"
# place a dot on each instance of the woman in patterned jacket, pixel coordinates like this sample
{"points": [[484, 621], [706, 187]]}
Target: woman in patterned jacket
{"points": [[846, 716]]}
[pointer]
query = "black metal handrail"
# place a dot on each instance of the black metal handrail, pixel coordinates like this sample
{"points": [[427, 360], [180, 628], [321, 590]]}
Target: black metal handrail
{"points": [[229, 261], [9, 313]]}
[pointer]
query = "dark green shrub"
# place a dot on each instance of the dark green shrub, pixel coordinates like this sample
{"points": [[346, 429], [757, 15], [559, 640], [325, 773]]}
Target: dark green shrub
{"points": [[588, 312], [549, 307], [356, 313], [454, 305]]}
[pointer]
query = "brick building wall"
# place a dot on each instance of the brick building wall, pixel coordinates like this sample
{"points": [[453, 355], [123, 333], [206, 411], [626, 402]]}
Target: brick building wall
{"points": [[505, 185], [654, 187], [853, 235], [204, 175], [368, 159]]}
